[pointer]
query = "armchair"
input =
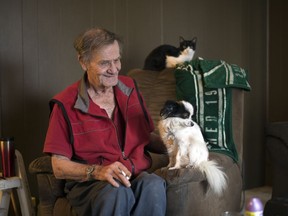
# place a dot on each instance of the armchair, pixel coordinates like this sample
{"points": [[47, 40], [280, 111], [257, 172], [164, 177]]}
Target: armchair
{"points": [[277, 147], [186, 189]]}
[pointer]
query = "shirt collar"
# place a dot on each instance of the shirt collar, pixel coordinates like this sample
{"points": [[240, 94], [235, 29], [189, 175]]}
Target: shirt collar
{"points": [[82, 102]]}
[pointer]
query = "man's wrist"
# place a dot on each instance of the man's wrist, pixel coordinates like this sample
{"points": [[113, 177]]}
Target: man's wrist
{"points": [[89, 172]]}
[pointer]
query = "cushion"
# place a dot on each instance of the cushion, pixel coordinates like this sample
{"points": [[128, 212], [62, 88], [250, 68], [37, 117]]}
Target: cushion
{"points": [[156, 87]]}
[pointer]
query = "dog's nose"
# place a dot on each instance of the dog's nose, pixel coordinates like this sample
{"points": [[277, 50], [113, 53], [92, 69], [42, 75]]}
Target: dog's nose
{"points": [[191, 124]]}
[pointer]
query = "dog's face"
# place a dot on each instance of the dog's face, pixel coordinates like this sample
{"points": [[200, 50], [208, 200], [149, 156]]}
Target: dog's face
{"points": [[177, 109]]}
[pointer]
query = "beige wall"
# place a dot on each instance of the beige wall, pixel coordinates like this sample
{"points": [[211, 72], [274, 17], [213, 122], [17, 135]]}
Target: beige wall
{"points": [[37, 58]]}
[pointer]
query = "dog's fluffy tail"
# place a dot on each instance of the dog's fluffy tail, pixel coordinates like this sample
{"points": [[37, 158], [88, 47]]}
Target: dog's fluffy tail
{"points": [[215, 176]]}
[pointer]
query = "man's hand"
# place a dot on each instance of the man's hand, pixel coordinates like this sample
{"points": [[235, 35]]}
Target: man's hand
{"points": [[64, 168], [112, 172]]}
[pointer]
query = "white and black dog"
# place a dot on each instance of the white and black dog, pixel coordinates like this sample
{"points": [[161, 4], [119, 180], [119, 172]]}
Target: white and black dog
{"points": [[186, 145]]}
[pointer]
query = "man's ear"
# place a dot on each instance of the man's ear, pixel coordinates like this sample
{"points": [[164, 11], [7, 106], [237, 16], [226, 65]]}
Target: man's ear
{"points": [[82, 63]]}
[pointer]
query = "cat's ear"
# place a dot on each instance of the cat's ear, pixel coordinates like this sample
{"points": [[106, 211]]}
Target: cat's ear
{"points": [[194, 40], [181, 39]]}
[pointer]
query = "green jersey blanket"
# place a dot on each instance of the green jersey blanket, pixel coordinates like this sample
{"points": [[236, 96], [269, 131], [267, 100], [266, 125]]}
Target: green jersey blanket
{"points": [[207, 85]]}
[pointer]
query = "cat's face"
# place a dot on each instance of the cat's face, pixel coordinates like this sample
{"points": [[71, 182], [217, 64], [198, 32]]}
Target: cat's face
{"points": [[184, 44]]}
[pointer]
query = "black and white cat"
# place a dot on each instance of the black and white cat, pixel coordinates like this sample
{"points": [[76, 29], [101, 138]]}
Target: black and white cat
{"points": [[167, 56]]}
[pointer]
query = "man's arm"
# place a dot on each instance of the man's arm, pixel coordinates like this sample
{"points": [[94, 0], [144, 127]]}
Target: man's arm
{"points": [[64, 168]]}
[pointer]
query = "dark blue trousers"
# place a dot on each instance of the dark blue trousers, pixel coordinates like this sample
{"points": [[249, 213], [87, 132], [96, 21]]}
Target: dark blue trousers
{"points": [[146, 196]]}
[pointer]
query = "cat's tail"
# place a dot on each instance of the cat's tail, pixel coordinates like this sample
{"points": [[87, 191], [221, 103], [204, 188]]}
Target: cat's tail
{"points": [[216, 178]]}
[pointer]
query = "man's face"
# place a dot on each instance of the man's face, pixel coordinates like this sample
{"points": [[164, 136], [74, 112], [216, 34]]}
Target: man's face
{"points": [[104, 67]]}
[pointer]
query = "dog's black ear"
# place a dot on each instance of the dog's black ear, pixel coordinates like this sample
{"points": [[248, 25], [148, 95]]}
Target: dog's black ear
{"points": [[169, 107], [171, 104]]}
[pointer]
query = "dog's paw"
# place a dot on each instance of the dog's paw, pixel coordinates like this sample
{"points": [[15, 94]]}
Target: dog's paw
{"points": [[173, 168], [169, 165], [190, 166]]}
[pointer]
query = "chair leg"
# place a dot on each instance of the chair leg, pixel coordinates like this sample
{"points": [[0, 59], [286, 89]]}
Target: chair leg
{"points": [[23, 191]]}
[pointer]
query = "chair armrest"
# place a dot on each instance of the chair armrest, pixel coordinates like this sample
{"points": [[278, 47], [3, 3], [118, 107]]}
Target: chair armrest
{"points": [[185, 175], [49, 188], [41, 165], [188, 190], [278, 130], [277, 149]]}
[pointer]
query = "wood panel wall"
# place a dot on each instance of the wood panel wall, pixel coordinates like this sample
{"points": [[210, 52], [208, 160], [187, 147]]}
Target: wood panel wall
{"points": [[278, 57], [37, 59]]}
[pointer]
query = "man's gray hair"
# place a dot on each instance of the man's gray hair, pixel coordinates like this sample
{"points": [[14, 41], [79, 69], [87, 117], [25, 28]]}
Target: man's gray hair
{"points": [[92, 40]]}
